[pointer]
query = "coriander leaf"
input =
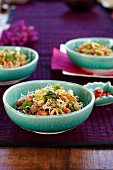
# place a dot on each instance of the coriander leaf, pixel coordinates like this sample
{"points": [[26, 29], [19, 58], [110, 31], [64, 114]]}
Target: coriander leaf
{"points": [[71, 106], [10, 56], [50, 94], [56, 86], [26, 104]]}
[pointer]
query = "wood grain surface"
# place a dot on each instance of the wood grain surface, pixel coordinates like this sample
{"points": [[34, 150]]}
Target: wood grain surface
{"points": [[55, 158]]}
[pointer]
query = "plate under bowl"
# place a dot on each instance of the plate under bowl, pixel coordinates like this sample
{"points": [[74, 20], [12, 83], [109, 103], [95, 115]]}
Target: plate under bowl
{"points": [[98, 71]]}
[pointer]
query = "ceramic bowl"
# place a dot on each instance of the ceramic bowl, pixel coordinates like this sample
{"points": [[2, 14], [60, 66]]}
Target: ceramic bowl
{"points": [[104, 100], [47, 124], [16, 74], [101, 65]]}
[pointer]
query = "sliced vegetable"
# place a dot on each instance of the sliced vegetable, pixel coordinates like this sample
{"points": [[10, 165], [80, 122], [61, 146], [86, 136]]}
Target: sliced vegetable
{"points": [[101, 92], [71, 106], [26, 104], [10, 56], [50, 94], [56, 86]]}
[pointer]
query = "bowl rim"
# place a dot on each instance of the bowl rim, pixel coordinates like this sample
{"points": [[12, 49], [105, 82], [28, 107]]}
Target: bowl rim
{"points": [[85, 55], [24, 66], [52, 116]]}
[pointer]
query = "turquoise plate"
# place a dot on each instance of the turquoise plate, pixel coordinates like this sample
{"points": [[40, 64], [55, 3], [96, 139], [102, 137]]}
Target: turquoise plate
{"points": [[104, 100]]}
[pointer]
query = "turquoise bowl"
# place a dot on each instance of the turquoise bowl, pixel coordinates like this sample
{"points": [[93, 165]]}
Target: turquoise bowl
{"points": [[47, 124], [93, 64], [13, 75], [104, 100]]}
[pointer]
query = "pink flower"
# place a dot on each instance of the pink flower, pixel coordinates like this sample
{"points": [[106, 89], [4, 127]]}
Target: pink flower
{"points": [[19, 35]]}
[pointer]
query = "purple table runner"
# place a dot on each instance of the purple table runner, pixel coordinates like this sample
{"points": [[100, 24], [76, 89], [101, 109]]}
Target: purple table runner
{"points": [[56, 24]]}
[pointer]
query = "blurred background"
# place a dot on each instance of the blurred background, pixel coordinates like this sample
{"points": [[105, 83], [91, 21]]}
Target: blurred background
{"points": [[78, 5]]}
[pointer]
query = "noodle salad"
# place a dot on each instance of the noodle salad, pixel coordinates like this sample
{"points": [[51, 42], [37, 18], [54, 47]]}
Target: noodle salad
{"points": [[9, 58], [94, 48], [50, 100]]}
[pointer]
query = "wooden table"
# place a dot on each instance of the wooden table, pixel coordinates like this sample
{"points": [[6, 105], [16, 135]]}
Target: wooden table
{"points": [[55, 158]]}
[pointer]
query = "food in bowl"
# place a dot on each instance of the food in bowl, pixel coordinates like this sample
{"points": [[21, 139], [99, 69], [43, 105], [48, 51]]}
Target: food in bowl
{"points": [[101, 92], [12, 58], [13, 74], [98, 65], [47, 124], [50, 100], [94, 48]]}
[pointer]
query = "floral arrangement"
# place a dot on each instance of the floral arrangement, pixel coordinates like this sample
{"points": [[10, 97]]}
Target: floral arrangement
{"points": [[18, 34]]}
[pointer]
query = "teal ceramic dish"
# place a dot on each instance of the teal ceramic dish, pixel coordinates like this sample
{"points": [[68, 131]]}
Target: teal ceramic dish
{"points": [[16, 74], [104, 100], [47, 124], [101, 65]]}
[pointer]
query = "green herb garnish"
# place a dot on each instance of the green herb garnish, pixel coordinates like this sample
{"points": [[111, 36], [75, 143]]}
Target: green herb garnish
{"points": [[71, 106], [50, 94], [56, 86], [10, 56], [26, 104]]}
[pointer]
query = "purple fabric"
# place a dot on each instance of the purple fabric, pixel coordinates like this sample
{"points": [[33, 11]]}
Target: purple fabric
{"points": [[56, 24]]}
